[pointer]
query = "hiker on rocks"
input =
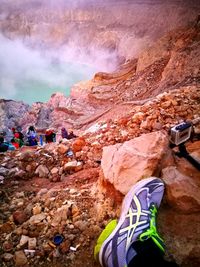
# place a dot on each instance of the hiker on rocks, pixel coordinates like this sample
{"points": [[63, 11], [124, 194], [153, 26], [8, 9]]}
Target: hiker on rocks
{"points": [[64, 133], [14, 143], [133, 240], [19, 131], [71, 135], [49, 136], [17, 139], [32, 136], [3, 146]]}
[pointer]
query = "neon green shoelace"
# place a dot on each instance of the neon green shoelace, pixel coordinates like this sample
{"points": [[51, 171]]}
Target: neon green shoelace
{"points": [[152, 231]]}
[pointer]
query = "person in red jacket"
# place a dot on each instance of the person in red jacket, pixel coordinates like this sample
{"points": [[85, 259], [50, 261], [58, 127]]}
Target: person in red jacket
{"points": [[14, 143], [49, 136]]}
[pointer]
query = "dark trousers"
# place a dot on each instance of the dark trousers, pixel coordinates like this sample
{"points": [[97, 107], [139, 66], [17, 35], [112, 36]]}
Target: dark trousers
{"points": [[148, 254]]}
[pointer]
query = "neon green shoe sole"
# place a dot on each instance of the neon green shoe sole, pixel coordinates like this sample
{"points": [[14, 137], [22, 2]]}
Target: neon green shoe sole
{"points": [[103, 236]]}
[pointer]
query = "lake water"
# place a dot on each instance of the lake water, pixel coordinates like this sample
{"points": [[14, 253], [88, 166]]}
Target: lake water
{"points": [[39, 85], [33, 75]]}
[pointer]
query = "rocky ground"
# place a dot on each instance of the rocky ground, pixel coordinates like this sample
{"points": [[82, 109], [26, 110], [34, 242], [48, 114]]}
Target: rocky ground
{"points": [[73, 188], [45, 190]]}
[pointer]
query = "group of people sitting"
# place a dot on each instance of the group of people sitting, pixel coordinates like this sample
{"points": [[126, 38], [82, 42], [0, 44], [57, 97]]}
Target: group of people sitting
{"points": [[65, 134], [31, 137]]}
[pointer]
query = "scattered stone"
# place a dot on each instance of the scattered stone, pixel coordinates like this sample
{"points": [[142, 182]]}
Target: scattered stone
{"points": [[37, 209], [19, 217], [7, 246], [20, 258], [62, 149], [73, 166], [3, 171], [42, 171], [21, 174], [37, 218], [1, 179], [23, 241], [78, 144], [7, 257], [20, 195], [42, 191], [54, 171], [32, 243]]}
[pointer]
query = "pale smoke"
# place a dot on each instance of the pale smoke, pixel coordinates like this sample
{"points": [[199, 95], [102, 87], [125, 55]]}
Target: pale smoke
{"points": [[59, 68], [56, 68]]}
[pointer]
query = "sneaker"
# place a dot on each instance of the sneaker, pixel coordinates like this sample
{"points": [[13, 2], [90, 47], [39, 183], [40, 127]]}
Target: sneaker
{"points": [[137, 222]]}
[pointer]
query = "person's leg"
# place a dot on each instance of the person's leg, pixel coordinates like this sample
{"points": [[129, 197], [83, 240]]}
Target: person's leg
{"points": [[137, 222], [148, 254]]}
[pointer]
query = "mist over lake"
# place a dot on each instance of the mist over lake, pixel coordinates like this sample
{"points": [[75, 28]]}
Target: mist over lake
{"points": [[58, 78], [31, 75]]}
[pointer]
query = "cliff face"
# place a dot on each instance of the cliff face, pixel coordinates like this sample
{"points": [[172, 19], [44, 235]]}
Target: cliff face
{"points": [[171, 63], [120, 27]]}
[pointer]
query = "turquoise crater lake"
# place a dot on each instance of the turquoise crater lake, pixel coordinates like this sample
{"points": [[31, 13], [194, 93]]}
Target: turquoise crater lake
{"points": [[33, 75], [38, 87]]}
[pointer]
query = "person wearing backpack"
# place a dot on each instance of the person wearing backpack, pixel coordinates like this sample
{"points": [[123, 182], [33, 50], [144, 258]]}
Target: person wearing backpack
{"points": [[32, 136]]}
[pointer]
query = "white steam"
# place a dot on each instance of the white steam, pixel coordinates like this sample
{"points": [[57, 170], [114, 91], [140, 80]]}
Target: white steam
{"points": [[58, 69]]}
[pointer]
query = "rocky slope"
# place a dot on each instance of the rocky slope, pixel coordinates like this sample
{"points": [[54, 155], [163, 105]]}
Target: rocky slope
{"points": [[123, 118], [171, 63], [45, 192]]}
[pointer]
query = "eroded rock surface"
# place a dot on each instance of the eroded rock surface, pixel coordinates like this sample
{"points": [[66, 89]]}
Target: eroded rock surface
{"points": [[127, 163]]}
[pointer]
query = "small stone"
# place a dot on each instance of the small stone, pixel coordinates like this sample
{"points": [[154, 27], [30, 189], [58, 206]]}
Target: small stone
{"points": [[20, 258], [20, 174], [42, 171], [20, 195], [46, 247], [70, 165], [37, 209], [18, 231], [25, 232], [7, 257], [19, 217], [70, 226], [64, 247], [1, 179], [35, 219], [3, 171], [71, 237], [78, 144], [23, 241], [56, 253], [81, 225], [32, 243], [7, 246], [62, 149], [72, 256], [20, 204], [54, 171], [42, 191]]}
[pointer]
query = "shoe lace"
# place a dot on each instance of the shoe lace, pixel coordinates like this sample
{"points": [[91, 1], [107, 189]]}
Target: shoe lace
{"points": [[152, 231]]}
